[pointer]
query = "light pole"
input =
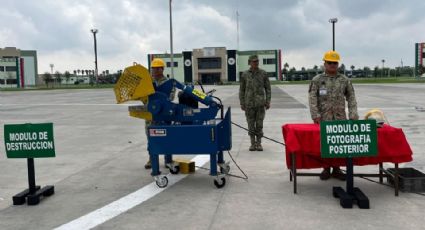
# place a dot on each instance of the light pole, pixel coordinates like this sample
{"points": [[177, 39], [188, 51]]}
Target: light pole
{"points": [[94, 31], [333, 21], [237, 30], [383, 61], [171, 41]]}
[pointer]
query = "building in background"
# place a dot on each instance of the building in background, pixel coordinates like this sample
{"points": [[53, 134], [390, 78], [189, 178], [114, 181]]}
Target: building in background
{"points": [[18, 68], [216, 65], [420, 59]]}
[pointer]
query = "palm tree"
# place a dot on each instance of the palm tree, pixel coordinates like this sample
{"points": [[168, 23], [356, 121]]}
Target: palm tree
{"points": [[352, 69]]}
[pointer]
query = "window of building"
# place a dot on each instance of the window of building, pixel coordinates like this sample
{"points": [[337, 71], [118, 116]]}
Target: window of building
{"points": [[169, 64], [269, 61], [10, 68], [209, 63], [11, 81], [1, 68]]}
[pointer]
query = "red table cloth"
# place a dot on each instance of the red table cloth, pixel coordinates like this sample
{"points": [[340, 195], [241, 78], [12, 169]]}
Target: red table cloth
{"points": [[304, 141]]}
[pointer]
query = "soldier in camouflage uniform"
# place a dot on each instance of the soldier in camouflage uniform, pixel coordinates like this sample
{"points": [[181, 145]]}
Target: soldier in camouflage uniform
{"points": [[327, 95], [255, 96], [158, 78]]}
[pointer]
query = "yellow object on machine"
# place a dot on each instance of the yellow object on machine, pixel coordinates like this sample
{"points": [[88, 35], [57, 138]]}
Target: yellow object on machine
{"points": [[135, 84]]}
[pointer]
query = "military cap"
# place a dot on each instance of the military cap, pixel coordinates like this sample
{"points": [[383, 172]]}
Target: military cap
{"points": [[253, 57]]}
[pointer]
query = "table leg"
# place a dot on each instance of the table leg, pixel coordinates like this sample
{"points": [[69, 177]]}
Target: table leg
{"points": [[294, 171], [290, 169], [396, 179], [381, 179]]}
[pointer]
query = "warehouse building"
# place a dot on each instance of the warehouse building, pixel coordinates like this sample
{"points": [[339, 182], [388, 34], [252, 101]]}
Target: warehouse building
{"points": [[18, 68], [215, 65]]}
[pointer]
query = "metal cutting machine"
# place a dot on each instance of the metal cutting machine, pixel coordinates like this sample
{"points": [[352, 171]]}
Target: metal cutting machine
{"points": [[182, 128]]}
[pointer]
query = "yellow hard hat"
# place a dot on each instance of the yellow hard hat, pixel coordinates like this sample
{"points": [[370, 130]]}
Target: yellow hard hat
{"points": [[332, 56], [157, 62]]}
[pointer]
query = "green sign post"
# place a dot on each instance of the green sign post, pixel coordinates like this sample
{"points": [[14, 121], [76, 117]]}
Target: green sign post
{"points": [[349, 139], [30, 141]]}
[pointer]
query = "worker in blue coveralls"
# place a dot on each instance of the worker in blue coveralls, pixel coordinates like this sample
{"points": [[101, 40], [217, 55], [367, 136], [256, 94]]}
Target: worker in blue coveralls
{"points": [[158, 78]]}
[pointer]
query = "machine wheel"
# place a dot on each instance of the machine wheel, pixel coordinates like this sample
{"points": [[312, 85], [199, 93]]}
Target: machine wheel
{"points": [[175, 169], [225, 169], [162, 182], [219, 184]]}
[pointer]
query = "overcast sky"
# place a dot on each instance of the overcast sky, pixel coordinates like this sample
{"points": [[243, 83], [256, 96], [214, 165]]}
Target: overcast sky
{"points": [[367, 31]]}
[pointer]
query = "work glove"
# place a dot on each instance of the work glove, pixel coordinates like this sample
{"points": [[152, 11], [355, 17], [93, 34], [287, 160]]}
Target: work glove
{"points": [[317, 120]]}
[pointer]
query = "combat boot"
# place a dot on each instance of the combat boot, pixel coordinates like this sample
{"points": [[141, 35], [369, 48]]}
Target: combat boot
{"points": [[253, 145], [148, 164], [258, 146]]}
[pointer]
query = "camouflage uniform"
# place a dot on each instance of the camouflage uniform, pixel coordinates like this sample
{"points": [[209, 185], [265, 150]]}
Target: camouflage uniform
{"points": [[254, 95], [327, 95]]}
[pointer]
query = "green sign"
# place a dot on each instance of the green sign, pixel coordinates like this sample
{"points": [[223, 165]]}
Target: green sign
{"points": [[29, 140], [348, 138]]}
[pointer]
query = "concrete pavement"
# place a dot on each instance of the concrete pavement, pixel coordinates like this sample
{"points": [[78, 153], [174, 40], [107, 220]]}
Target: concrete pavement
{"points": [[101, 152]]}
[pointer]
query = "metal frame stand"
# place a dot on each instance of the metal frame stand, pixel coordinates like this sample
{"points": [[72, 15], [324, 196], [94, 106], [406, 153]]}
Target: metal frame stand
{"points": [[293, 174], [33, 193], [352, 195]]}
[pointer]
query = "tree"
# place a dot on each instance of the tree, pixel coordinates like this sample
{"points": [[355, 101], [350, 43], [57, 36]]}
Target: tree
{"points": [[375, 71], [316, 69], [47, 77], [291, 73], [285, 71], [341, 68], [366, 71], [67, 76], [58, 77]]}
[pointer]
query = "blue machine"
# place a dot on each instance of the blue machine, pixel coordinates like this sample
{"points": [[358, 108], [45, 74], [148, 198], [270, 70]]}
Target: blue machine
{"points": [[182, 129], [177, 128]]}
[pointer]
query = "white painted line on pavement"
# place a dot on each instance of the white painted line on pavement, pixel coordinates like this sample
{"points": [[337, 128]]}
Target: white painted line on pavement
{"points": [[126, 203]]}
